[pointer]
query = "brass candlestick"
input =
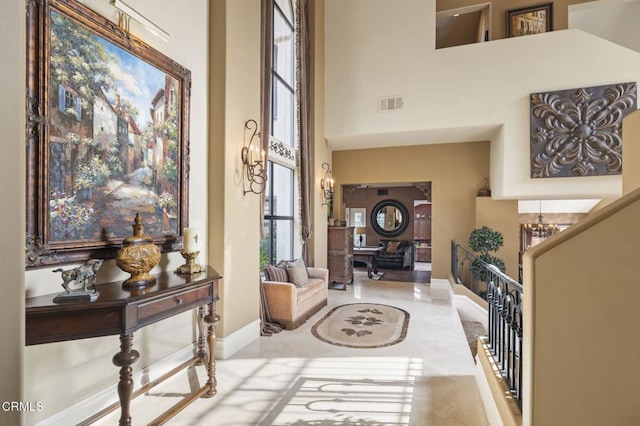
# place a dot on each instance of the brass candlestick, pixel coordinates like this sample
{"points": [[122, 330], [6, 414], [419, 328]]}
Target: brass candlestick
{"points": [[190, 267]]}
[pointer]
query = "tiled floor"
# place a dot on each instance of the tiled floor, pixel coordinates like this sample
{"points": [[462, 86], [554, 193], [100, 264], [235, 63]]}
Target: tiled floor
{"points": [[292, 378]]}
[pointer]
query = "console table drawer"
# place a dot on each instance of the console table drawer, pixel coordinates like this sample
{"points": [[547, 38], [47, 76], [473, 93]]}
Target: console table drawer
{"points": [[175, 303]]}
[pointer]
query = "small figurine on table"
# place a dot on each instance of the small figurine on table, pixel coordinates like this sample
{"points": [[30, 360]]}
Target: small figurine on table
{"points": [[84, 275]]}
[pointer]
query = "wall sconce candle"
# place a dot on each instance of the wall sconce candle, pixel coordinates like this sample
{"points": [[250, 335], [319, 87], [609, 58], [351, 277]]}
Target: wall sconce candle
{"points": [[253, 171], [326, 185]]}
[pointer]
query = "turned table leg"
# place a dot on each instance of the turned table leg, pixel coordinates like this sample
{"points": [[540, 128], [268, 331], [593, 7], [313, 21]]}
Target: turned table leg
{"points": [[125, 359], [211, 320], [201, 352]]}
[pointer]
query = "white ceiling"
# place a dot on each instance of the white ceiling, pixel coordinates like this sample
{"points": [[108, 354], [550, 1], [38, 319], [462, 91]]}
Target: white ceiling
{"points": [[416, 137], [556, 206]]}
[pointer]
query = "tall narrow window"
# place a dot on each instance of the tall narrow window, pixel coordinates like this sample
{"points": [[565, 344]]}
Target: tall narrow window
{"points": [[280, 216], [283, 73]]}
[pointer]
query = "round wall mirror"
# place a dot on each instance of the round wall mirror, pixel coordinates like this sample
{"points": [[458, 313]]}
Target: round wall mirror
{"points": [[390, 218]]}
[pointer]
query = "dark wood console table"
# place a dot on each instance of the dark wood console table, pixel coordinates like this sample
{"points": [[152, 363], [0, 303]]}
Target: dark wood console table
{"points": [[368, 256], [123, 311]]}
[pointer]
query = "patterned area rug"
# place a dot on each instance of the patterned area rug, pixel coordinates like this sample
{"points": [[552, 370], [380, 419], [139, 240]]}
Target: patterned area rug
{"points": [[362, 325]]}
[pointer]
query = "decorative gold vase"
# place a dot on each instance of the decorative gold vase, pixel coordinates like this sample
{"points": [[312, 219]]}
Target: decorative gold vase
{"points": [[138, 256]]}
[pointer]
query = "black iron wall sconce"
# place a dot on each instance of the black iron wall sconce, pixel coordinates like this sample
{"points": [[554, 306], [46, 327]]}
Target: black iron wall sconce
{"points": [[253, 159], [326, 184]]}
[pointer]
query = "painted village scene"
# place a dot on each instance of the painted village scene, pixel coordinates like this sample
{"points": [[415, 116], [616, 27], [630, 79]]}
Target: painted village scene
{"points": [[113, 139]]}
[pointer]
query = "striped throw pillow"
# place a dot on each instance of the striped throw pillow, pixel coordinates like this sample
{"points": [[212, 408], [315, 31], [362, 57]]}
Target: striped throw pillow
{"points": [[275, 273]]}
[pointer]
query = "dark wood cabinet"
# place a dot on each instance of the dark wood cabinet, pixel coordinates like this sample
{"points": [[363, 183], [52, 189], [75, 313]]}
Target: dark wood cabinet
{"points": [[423, 254], [422, 222], [340, 255], [422, 229]]}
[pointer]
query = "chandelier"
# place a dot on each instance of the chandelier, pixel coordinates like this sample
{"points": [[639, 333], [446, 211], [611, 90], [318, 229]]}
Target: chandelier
{"points": [[540, 230]]}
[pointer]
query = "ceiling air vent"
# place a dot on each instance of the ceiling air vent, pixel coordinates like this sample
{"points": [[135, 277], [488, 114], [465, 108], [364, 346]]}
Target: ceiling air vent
{"points": [[390, 103]]}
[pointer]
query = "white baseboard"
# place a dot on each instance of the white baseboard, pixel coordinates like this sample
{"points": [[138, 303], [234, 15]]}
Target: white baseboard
{"points": [[490, 407], [440, 284], [470, 307], [229, 345], [87, 407]]}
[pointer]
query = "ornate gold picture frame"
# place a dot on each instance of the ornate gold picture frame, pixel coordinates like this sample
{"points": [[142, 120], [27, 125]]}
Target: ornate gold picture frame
{"points": [[107, 137]]}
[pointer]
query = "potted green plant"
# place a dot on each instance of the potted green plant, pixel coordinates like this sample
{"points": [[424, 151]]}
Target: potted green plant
{"points": [[483, 241]]}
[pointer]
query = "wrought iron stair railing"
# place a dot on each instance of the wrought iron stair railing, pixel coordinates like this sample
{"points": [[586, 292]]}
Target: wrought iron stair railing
{"points": [[504, 305]]}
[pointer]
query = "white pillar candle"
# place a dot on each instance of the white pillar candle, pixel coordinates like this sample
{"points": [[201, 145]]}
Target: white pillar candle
{"points": [[190, 240]]}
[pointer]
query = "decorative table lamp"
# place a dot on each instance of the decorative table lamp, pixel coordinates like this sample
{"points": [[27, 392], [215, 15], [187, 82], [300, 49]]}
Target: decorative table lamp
{"points": [[190, 251], [359, 231]]}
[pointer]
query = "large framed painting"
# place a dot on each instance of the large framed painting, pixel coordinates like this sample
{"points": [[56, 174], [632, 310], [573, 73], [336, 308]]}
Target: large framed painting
{"points": [[107, 137], [530, 20]]}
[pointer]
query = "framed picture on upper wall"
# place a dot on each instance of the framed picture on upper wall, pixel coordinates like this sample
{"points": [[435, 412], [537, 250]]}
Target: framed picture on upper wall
{"points": [[530, 20], [107, 137]]}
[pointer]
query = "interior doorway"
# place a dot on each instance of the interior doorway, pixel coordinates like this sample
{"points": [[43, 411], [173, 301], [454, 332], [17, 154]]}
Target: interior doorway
{"points": [[367, 210]]}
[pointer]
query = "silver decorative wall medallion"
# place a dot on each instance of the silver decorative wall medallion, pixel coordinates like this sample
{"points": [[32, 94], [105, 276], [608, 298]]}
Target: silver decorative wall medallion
{"points": [[578, 132]]}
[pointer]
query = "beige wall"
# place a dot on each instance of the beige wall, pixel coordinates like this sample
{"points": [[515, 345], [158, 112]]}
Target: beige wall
{"points": [[234, 217], [631, 152], [456, 172], [12, 122], [580, 302], [502, 216]]}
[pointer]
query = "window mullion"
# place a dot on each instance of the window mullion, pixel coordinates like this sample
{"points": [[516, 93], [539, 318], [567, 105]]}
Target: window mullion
{"points": [[284, 16], [283, 81]]}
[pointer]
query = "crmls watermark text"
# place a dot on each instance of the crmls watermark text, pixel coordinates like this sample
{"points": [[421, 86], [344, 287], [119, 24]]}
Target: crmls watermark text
{"points": [[22, 406]]}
